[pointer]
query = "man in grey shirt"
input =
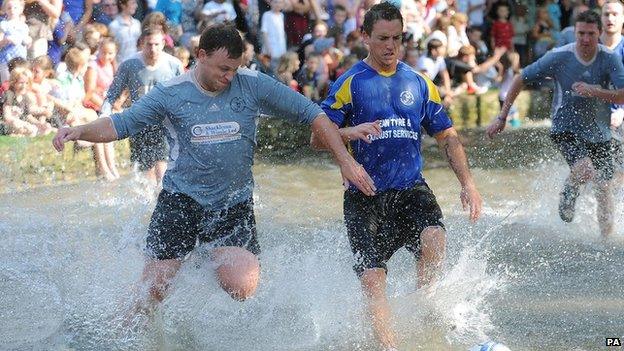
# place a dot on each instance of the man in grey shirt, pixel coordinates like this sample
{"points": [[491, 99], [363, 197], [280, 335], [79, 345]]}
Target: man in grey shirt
{"points": [[209, 115], [582, 71], [139, 74]]}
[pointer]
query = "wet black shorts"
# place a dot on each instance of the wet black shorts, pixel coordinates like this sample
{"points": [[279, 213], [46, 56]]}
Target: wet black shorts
{"points": [[573, 149], [378, 226], [179, 223], [148, 147]]}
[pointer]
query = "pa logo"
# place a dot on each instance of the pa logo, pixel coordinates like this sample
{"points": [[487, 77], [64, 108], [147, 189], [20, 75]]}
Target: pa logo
{"points": [[406, 98], [237, 104]]}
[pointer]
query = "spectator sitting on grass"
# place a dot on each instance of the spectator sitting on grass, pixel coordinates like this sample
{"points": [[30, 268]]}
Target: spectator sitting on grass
{"points": [[21, 115]]}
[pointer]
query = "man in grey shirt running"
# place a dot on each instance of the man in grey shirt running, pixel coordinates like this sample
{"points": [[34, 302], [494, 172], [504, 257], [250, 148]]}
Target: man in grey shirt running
{"points": [[209, 115], [582, 71]]}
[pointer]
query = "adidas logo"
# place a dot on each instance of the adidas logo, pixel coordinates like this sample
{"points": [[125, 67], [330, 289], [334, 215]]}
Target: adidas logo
{"points": [[214, 108]]}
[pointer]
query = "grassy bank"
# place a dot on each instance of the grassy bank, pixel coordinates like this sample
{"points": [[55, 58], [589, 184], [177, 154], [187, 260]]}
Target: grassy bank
{"points": [[26, 162]]}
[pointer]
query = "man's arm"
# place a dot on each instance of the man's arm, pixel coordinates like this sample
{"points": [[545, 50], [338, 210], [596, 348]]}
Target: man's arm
{"points": [[99, 131], [352, 172], [498, 124], [593, 91], [347, 134], [449, 143]]}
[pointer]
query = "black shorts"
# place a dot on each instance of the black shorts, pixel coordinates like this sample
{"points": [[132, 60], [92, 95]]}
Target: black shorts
{"points": [[148, 147], [179, 223], [573, 149], [379, 225]]}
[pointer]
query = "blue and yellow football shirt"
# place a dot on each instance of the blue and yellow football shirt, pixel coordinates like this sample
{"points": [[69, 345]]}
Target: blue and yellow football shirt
{"points": [[403, 102]]}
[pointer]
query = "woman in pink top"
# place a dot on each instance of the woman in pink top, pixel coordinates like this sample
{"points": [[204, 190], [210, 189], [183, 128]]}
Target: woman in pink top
{"points": [[97, 79]]}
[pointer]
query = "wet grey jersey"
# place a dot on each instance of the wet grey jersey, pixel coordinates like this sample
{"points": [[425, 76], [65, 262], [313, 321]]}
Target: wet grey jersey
{"points": [[139, 79], [212, 136], [588, 118]]}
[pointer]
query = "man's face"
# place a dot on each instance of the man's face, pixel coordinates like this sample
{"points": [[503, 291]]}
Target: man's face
{"points": [[612, 17], [340, 16], [110, 8], [384, 42], [153, 46], [217, 69], [587, 35], [130, 7]]}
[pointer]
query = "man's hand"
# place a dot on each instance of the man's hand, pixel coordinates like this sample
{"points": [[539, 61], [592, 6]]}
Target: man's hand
{"points": [[354, 173], [361, 131], [64, 135], [497, 126], [583, 89], [470, 198]]}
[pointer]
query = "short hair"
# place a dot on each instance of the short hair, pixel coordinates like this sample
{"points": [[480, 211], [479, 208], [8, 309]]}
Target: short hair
{"points": [[433, 44], [149, 31], [339, 7], [75, 58], [222, 36], [45, 63], [589, 17], [472, 29], [466, 50], [17, 62], [383, 11]]}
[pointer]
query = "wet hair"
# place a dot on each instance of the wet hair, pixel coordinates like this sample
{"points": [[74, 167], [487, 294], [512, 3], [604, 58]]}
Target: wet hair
{"points": [[222, 36], [382, 11], [589, 17], [149, 31]]}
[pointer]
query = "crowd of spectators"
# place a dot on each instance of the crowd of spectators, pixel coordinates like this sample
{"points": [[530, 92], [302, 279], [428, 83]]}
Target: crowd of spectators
{"points": [[57, 57]]}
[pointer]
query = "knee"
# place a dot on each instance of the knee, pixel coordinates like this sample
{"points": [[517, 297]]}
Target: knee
{"points": [[433, 238], [238, 272], [374, 283]]}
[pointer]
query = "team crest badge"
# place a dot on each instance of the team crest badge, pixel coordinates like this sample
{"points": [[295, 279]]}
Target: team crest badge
{"points": [[407, 98], [237, 104]]}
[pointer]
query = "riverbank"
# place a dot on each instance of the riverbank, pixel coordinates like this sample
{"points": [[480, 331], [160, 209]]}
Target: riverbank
{"points": [[27, 162]]}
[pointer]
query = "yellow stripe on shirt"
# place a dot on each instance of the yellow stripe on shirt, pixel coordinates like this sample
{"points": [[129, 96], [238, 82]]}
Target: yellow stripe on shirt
{"points": [[434, 95], [343, 95]]}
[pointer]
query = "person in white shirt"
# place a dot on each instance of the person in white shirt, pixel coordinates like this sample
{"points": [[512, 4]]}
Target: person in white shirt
{"points": [[433, 65], [218, 11], [273, 33], [126, 30]]}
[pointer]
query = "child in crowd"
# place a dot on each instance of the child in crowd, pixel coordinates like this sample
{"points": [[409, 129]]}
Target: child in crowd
{"points": [[43, 74], [309, 79], [14, 38], [288, 65], [97, 80], [502, 30], [21, 114], [511, 66], [521, 31], [542, 33], [183, 55], [273, 33], [126, 29]]}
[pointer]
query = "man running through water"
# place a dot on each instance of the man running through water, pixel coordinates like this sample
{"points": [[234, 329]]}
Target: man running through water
{"points": [[581, 130], [209, 115], [380, 105]]}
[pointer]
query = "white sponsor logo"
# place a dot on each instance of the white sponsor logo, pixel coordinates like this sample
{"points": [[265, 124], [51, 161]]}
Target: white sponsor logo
{"points": [[407, 98], [215, 132]]}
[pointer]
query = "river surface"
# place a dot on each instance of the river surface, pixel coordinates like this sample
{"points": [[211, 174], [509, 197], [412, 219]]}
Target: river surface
{"points": [[70, 254]]}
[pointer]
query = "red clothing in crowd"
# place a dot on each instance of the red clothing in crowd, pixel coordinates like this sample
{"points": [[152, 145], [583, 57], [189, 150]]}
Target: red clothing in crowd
{"points": [[503, 33]]}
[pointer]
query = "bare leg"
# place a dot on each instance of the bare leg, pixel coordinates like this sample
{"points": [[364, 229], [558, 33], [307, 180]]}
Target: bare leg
{"points": [[580, 173], [160, 168], [157, 276], [605, 207], [109, 154], [101, 167], [238, 271], [433, 251], [374, 285]]}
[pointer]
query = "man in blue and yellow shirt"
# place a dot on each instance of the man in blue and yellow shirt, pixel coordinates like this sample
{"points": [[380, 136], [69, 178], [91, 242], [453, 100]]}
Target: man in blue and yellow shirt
{"points": [[380, 105]]}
